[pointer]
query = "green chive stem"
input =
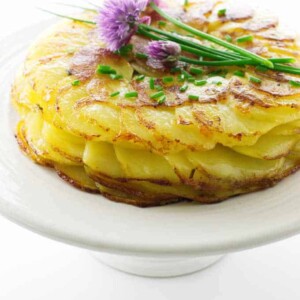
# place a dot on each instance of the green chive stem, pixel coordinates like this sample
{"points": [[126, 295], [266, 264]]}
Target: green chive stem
{"points": [[241, 62], [67, 17], [187, 45], [286, 69], [213, 39], [77, 6]]}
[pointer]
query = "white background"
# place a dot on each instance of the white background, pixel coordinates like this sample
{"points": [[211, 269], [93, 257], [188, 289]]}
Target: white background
{"points": [[35, 268]]}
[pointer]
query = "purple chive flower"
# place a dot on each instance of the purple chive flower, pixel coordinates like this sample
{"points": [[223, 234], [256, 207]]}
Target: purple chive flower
{"points": [[118, 21], [164, 51]]}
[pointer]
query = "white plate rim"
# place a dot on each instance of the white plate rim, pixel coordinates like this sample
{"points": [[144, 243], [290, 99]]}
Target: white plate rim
{"points": [[13, 211]]}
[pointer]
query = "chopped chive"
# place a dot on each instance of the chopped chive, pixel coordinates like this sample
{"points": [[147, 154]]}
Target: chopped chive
{"points": [[254, 79], [219, 72], [175, 70], [168, 79], [222, 12], [181, 77], [200, 82], [294, 83], [116, 76], [239, 73], [76, 82], [131, 95], [152, 83], [125, 50], [228, 38], [115, 94], [162, 23], [193, 97], [196, 71], [186, 74], [103, 69], [140, 78], [162, 100], [245, 39], [191, 79], [141, 55], [217, 82], [157, 95], [262, 69], [184, 88], [190, 35], [158, 87]]}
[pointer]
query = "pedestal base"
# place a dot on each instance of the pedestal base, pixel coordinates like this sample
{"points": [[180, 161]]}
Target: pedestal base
{"points": [[156, 267]]}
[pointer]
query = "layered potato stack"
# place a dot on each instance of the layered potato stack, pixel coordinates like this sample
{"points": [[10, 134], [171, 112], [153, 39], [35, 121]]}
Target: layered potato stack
{"points": [[237, 138]]}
